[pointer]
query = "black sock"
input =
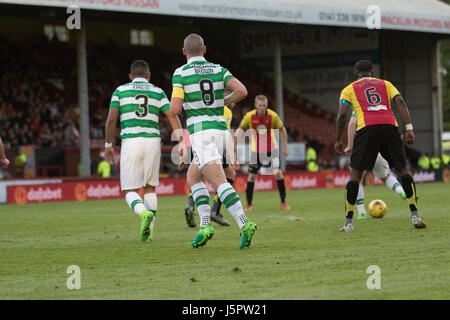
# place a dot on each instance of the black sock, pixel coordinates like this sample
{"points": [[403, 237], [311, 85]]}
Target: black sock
{"points": [[282, 190], [410, 190], [350, 201], [249, 191], [230, 181]]}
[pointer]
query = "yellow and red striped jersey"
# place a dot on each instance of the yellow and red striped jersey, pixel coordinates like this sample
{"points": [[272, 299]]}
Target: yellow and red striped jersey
{"points": [[370, 99]]}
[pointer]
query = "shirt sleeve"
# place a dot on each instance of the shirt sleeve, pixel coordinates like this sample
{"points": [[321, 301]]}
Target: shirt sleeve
{"points": [[226, 75], [177, 84], [346, 97], [165, 106], [276, 122], [392, 91], [115, 100], [245, 123]]}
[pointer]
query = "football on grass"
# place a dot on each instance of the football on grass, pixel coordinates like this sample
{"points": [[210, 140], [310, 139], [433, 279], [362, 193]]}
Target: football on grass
{"points": [[377, 208]]}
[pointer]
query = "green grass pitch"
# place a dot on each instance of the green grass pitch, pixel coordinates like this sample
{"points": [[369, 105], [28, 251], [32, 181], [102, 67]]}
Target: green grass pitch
{"points": [[297, 254]]}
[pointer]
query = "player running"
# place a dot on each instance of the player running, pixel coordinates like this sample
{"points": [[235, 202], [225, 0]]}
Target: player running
{"points": [[230, 174], [380, 170], [264, 146], [198, 88], [138, 103], [378, 132]]}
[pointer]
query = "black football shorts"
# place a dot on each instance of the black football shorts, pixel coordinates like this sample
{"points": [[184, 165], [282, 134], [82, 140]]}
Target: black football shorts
{"points": [[379, 138]]}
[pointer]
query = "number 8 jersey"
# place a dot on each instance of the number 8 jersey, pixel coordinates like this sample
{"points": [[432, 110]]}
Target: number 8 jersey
{"points": [[370, 99], [201, 84]]}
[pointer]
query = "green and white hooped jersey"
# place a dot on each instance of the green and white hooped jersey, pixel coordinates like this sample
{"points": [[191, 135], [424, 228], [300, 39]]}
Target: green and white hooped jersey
{"points": [[201, 84], [140, 103]]}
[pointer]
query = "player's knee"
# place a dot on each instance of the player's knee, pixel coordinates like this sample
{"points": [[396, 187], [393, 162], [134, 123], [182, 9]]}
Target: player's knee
{"points": [[230, 173], [149, 189], [252, 177], [278, 174]]}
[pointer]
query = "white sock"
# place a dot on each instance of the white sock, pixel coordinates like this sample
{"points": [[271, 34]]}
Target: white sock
{"points": [[151, 203], [201, 199], [135, 202], [360, 201], [393, 184], [231, 200]]}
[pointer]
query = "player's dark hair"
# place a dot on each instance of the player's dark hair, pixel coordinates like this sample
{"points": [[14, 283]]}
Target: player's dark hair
{"points": [[363, 68], [139, 68]]}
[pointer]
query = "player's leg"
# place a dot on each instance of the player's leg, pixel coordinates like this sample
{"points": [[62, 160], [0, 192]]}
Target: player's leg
{"points": [[151, 177], [392, 149], [213, 172], [201, 198], [281, 188], [189, 209], [252, 175], [151, 204], [365, 150], [253, 169], [381, 170], [216, 216], [131, 180], [360, 200]]}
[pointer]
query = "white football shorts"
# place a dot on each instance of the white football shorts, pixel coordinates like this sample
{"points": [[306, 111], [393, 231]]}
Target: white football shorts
{"points": [[139, 162], [381, 167], [208, 145]]}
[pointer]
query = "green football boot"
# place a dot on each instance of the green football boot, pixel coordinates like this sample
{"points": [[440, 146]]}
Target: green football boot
{"points": [[150, 237], [146, 218], [247, 233], [403, 195], [203, 236], [361, 216]]}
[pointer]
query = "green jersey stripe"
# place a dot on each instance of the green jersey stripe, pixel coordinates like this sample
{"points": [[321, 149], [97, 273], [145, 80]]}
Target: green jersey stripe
{"points": [[204, 111], [139, 135], [206, 125], [139, 123]]}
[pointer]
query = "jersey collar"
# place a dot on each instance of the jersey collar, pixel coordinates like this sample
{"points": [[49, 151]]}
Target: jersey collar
{"points": [[139, 80], [198, 58]]}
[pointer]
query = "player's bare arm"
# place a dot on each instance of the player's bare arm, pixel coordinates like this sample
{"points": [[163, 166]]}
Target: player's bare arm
{"points": [[404, 113], [176, 106], [239, 92], [110, 128], [284, 139], [4, 162], [340, 126], [351, 130]]}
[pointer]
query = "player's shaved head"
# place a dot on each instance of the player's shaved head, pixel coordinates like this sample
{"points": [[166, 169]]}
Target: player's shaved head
{"points": [[363, 68], [139, 68], [193, 45], [261, 104]]}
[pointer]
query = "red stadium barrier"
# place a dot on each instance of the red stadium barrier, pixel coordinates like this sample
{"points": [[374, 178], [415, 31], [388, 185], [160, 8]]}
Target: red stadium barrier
{"points": [[83, 189], [110, 189]]}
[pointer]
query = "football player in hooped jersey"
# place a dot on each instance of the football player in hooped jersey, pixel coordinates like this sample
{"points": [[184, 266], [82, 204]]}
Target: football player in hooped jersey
{"points": [[198, 88], [138, 105], [370, 98], [264, 147]]}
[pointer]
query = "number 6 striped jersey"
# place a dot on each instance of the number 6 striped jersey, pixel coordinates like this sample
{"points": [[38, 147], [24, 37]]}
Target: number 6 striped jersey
{"points": [[139, 102], [370, 99], [201, 84]]}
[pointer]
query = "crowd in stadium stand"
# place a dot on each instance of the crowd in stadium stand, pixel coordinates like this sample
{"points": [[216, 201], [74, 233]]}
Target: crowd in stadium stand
{"points": [[38, 93], [35, 112]]}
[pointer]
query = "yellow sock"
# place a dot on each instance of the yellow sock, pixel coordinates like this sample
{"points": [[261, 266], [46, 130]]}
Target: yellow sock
{"points": [[412, 200]]}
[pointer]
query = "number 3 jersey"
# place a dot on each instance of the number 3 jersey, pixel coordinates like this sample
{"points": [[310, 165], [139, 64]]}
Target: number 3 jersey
{"points": [[370, 99], [201, 85], [139, 103]]}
